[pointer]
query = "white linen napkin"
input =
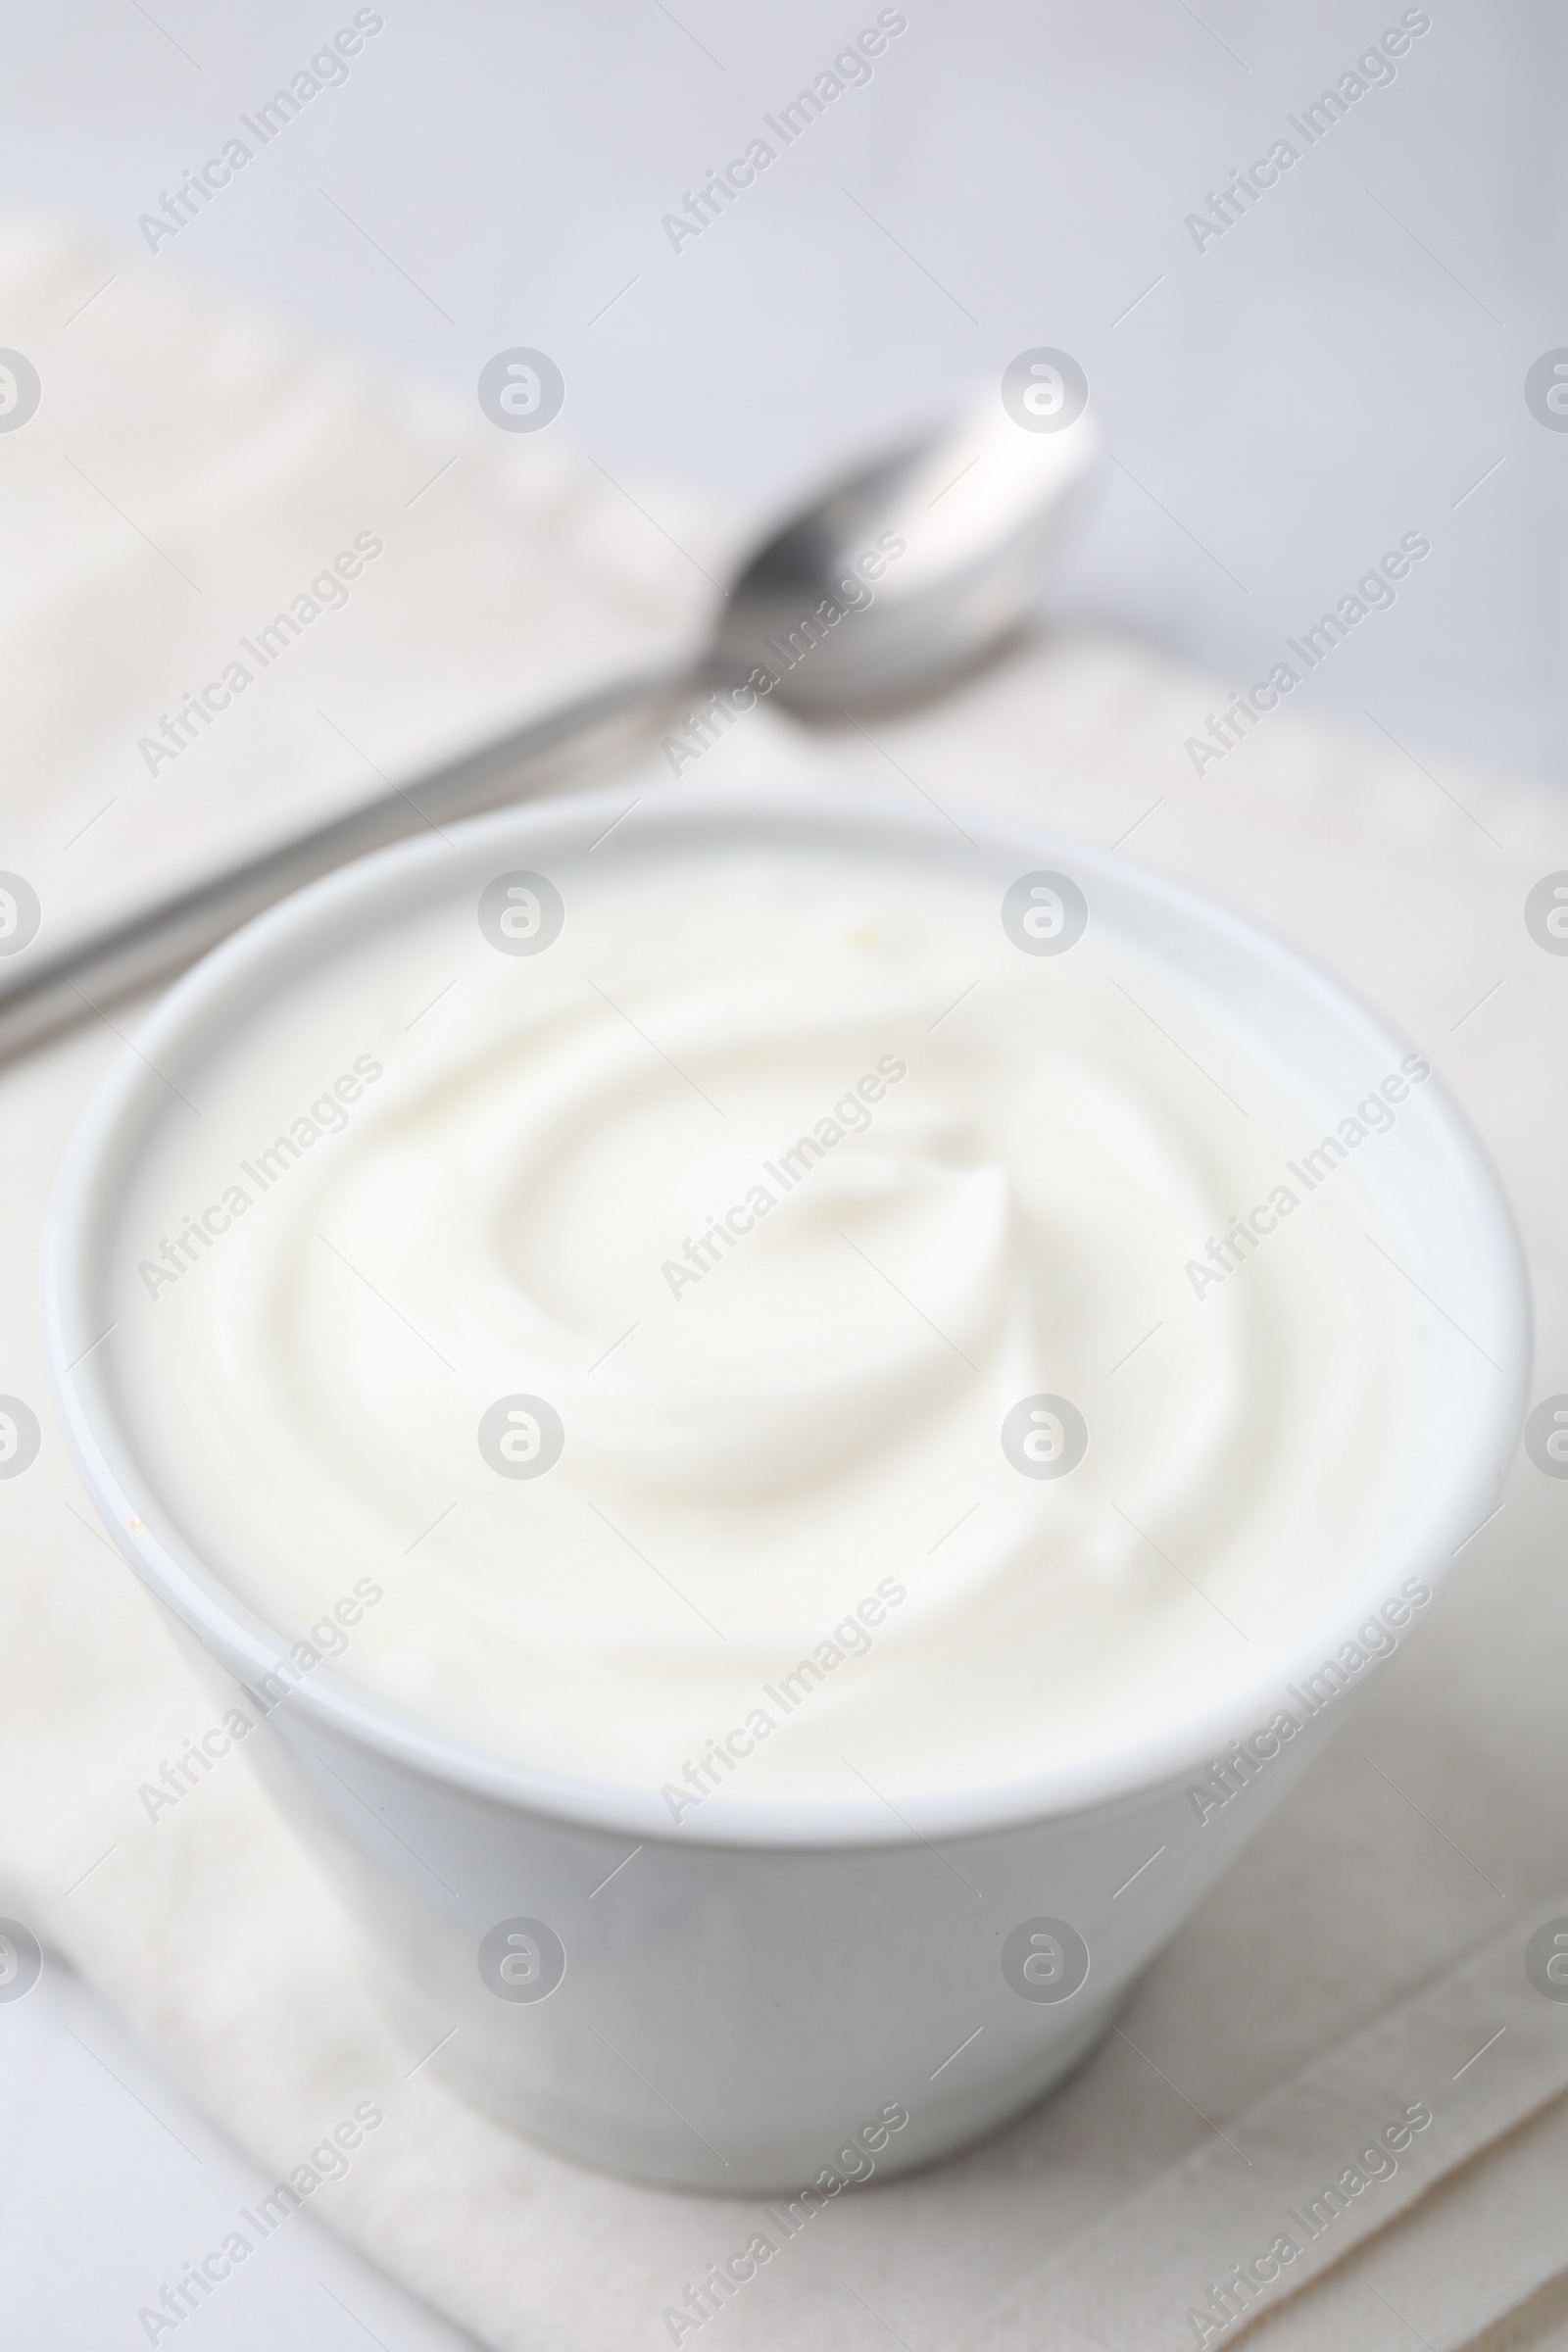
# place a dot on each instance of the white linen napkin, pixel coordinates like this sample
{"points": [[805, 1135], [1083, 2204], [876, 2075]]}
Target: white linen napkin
{"points": [[188, 475]]}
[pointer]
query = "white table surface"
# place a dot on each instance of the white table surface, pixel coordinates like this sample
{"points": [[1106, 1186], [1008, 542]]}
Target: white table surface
{"points": [[1345, 365]]}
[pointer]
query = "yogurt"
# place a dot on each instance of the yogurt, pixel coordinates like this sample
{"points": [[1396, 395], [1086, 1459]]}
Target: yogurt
{"points": [[761, 1316]]}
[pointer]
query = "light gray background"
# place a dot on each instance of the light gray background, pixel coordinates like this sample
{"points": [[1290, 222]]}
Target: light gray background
{"points": [[1345, 365], [1340, 368]]}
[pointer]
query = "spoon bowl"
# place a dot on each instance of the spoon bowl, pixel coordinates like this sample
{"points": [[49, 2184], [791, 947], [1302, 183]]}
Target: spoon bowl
{"points": [[906, 568]]}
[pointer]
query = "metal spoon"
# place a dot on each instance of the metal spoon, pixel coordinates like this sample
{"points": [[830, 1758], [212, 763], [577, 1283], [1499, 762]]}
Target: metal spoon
{"points": [[888, 584]]}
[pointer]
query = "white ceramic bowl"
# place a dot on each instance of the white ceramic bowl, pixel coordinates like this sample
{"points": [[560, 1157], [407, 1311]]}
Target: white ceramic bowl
{"points": [[755, 2001]]}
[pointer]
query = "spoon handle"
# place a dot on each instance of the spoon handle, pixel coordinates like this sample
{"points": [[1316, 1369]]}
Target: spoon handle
{"points": [[45, 994]]}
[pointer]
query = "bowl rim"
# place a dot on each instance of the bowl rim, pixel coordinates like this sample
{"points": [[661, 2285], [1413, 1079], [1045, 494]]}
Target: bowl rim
{"points": [[248, 1649]]}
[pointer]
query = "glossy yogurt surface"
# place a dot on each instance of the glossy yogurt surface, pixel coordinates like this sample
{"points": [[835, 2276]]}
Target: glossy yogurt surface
{"points": [[762, 1319]]}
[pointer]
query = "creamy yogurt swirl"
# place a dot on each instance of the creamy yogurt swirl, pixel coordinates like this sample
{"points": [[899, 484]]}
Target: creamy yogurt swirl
{"points": [[760, 1325]]}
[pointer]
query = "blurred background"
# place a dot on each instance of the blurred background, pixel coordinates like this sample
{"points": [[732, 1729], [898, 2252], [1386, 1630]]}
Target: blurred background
{"points": [[1344, 364]]}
